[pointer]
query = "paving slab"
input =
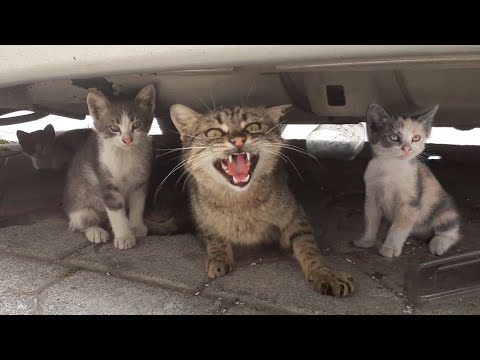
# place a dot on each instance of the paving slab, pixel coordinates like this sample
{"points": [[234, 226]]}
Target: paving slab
{"points": [[18, 305], [282, 284], [25, 276], [177, 261], [96, 294], [47, 239]]}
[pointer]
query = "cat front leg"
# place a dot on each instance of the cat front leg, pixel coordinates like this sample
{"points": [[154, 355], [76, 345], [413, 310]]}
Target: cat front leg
{"points": [[399, 231], [219, 255], [115, 207], [327, 281], [373, 218], [136, 202]]}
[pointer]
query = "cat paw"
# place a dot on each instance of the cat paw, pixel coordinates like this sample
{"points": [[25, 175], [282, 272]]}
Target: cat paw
{"points": [[139, 230], [218, 267], [124, 242], [390, 250], [96, 235], [364, 242], [332, 283], [439, 245]]}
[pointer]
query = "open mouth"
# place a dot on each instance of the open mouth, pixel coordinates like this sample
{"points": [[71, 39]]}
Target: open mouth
{"points": [[237, 168]]}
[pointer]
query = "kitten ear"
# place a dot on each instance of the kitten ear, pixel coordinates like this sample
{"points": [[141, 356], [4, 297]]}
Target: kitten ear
{"points": [[146, 99], [376, 114], [426, 118], [97, 105], [25, 140], [50, 131], [182, 116], [276, 112]]}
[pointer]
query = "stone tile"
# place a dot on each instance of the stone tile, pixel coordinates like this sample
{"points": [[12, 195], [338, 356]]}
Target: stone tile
{"points": [[97, 294], [282, 284], [172, 260], [21, 276], [46, 239]]}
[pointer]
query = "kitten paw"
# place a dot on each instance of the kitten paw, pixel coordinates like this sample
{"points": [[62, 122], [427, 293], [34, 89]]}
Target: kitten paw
{"points": [[96, 235], [139, 230], [218, 267], [364, 242], [390, 250], [332, 283], [124, 242], [439, 245]]}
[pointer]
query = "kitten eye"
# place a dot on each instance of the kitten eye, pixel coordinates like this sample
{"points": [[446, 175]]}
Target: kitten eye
{"points": [[416, 138], [253, 127], [114, 128], [214, 133], [136, 125], [393, 137]]}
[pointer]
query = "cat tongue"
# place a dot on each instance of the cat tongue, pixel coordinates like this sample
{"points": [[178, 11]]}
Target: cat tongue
{"points": [[238, 168]]}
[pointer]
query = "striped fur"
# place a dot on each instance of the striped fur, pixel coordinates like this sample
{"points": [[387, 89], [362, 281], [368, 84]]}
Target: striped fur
{"points": [[264, 209], [402, 189]]}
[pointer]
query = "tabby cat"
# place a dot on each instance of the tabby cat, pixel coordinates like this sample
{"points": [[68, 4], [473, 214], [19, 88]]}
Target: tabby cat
{"points": [[402, 189], [239, 193]]}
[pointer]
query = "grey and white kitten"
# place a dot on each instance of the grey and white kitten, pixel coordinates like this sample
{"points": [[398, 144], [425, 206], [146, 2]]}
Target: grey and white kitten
{"points": [[49, 150], [110, 173], [402, 189]]}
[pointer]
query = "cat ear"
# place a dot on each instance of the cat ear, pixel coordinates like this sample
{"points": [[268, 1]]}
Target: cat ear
{"points": [[50, 131], [276, 112], [426, 118], [182, 116], [376, 114], [97, 105], [25, 140], [146, 98]]}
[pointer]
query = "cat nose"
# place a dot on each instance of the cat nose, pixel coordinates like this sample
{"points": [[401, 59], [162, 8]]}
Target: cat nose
{"points": [[238, 141], [406, 148], [127, 140]]}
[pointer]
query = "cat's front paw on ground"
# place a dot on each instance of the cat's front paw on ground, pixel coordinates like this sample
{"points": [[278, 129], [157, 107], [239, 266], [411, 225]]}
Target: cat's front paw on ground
{"points": [[364, 242], [332, 283], [124, 242], [96, 235], [217, 267], [439, 245], [139, 230], [389, 251]]}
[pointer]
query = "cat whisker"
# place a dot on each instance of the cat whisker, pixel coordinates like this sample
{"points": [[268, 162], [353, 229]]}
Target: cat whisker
{"points": [[213, 101], [295, 148], [285, 158], [176, 132], [204, 104], [176, 168], [251, 87], [280, 123]]}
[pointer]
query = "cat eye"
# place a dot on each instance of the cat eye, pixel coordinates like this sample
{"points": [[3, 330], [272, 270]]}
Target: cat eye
{"points": [[394, 137], [214, 133], [114, 128], [136, 125], [416, 138], [253, 127]]}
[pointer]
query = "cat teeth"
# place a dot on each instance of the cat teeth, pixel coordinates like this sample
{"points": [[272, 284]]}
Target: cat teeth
{"points": [[248, 156], [230, 158], [236, 181], [225, 167]]}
